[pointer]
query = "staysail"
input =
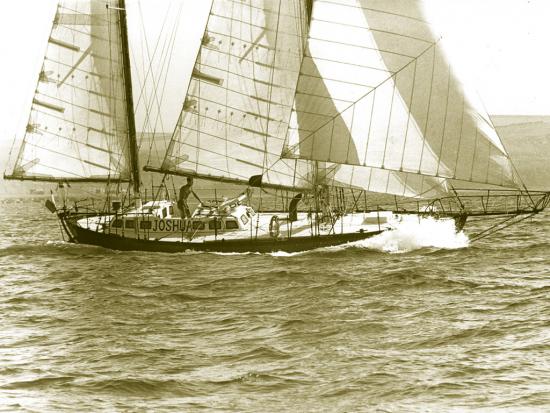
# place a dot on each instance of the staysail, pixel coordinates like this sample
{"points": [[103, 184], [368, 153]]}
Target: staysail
{"points": [[236, 112], [78, 128], [399, 106]]}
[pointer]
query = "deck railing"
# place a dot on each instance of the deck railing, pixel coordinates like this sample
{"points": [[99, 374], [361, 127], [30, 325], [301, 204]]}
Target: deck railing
{"points": [[472, 203]]}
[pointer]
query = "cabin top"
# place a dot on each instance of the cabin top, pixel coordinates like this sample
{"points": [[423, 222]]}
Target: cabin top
{"points": [[205, 218], [162, 209]]}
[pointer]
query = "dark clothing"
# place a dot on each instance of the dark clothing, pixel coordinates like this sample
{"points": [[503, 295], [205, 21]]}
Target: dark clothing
{"points": [[185, 191], [293, 207]]}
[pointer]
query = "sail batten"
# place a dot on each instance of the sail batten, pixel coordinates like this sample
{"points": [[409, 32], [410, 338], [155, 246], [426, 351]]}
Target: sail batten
{"points": [[78, 125], [66, 45], [47, 105], [415, 118]]}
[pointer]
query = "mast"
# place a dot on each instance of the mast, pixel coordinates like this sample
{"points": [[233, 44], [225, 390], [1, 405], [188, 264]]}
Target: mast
{"points": [[132, 140]]}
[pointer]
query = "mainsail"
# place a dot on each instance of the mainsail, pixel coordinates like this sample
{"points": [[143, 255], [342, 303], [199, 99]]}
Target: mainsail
{"points": [[79, 125], [236, 112], [398, 105]]}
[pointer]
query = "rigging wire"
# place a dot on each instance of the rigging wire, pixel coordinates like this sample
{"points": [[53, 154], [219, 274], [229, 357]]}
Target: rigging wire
{"points": [[165, 58], [166, 62], [149, 73], [514, 168]]}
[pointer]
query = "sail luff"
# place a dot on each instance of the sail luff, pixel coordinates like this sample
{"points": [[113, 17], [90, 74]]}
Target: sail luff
{"points": [[132, 136]]}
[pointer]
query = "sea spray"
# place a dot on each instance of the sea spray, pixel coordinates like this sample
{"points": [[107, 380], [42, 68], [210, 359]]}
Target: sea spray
{"points": [[413, 233]]}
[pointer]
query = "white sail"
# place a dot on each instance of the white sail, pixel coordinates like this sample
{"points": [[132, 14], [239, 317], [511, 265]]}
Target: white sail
{"points": [[78, 127], [237, 108], [384, 181], [398, 105]]}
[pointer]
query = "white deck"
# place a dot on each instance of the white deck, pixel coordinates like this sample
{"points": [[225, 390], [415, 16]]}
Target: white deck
{"points": [[250, 226]]}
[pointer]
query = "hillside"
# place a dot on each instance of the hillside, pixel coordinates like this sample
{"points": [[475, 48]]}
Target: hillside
{"points": [[527, 139]]}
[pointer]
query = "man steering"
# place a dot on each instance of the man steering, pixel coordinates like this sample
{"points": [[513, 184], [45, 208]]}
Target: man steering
{"points": [[185, 191]]}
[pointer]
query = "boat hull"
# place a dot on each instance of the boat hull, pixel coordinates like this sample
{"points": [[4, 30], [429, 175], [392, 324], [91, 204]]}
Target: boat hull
{"points": [[293, 244]]}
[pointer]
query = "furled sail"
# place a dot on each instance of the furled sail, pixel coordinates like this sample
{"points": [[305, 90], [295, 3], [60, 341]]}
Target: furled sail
{"points": [[236, 112], [78, 125], [398, 105]]}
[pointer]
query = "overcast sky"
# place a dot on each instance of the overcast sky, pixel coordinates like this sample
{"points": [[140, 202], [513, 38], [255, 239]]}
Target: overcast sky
{"points": [[500, 47]]}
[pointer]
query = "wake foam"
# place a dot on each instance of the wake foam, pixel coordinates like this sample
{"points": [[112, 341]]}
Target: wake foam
{"points": [[286, 254], [412, 233]]}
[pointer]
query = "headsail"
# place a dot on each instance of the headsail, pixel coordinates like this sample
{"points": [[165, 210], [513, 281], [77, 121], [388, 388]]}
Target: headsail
{"points": [[383, 181], [399, 106], [78, 126], [237, 108]]}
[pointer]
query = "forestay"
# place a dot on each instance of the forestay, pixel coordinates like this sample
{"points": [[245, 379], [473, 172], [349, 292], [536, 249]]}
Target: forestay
{"points": [[78, 127], [398, 105], [236, 112]]}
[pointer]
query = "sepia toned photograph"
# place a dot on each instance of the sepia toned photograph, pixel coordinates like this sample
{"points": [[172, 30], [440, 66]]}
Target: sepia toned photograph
{"points": [[275, 206]]}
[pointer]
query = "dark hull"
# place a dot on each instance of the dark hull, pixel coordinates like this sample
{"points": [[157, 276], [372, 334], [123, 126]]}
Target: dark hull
{"points": [[294, 244]]}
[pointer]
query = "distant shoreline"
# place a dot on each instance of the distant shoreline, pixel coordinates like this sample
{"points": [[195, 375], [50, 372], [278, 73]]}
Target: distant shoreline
{"points": [[507, 120]]}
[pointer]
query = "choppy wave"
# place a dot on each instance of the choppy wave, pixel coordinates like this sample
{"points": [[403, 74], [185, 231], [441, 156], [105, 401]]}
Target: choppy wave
{"points": [[140, 386], [39, 383]]}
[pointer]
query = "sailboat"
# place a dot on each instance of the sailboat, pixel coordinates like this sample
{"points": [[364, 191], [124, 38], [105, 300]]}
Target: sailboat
{"points": [[321, 104]]}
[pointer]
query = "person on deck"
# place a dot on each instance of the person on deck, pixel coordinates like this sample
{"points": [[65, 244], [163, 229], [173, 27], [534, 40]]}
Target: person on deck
{"points": [[185, 191]]}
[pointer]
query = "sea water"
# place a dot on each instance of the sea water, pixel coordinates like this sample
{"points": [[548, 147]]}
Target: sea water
{"points": [[415, 320]]}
